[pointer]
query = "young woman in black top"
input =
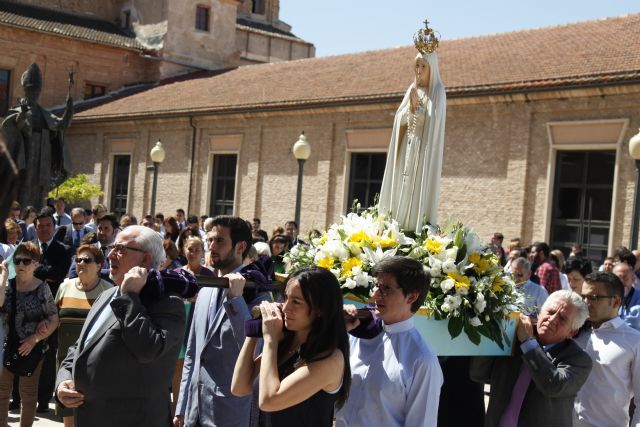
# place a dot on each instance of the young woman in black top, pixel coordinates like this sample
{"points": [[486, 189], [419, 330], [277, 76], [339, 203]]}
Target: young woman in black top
{"points": [[303, 370]]}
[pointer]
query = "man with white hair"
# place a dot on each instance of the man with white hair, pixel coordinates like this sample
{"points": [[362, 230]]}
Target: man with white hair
{"points": [[537, 386], [119, 371]]}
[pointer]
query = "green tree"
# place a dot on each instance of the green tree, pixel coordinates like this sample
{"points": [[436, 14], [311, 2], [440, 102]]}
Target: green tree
{"points": [[75, 189]]}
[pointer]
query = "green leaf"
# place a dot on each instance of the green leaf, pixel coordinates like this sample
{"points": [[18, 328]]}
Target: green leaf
{"points": [[497, 332], [472, 333], [484, 330], [462, 252], [455, 326], [458, 239], [75, 189]]}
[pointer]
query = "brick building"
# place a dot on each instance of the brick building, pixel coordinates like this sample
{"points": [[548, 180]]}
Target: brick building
{"points": [[535, 146], [120, 47]]}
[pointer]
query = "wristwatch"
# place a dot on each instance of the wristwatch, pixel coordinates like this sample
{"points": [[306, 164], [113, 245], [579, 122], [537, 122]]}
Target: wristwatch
{"points": [[36, 338]]}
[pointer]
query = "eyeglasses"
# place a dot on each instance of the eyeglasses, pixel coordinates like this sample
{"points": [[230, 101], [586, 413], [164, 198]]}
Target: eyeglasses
{"points": [[85, 260], [596, 297], [384, 290], [23, 261], [78, 223], [121, 249]]}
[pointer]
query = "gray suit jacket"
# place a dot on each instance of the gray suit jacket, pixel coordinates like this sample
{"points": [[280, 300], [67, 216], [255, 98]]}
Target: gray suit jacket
{"points": [[125, 369], [205, 391], [557, 375]]}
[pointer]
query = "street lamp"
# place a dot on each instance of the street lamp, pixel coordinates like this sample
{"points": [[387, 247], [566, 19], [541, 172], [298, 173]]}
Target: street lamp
{"points": [[157, 157], [634, 150], [301, 151]]}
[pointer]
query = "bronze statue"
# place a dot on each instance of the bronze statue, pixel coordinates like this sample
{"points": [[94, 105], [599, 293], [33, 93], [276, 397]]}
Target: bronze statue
{"points": [[35, 140]]}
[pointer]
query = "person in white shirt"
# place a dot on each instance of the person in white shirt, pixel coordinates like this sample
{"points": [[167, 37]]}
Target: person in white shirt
{"points": [[615, 349], [534, 294], [396, 378]]}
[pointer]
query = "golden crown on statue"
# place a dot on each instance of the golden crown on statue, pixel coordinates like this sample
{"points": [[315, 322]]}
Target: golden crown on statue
{"points": [[425, 39]]}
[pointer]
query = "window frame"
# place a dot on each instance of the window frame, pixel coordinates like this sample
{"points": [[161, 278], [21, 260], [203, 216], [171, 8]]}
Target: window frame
{"points": [[206, 25], [213, 181], [369, 181]]}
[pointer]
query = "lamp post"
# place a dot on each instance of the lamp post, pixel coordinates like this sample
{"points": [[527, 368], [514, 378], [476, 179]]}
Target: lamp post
{"points": [[301, 151], [634, 150], [157, 157]]}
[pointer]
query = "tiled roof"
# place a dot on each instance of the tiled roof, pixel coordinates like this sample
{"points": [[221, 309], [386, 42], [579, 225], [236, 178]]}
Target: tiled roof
{"points": [[64, 24], [591, 53]]}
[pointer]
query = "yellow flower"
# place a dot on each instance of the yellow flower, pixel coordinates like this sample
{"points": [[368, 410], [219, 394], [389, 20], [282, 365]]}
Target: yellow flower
{"points": [[348, 265], [387, 242], [474, 257], [359, 237], [326, 263], [459, 280], [480, 264], [497, 284], [323, 239], [434, 246]]}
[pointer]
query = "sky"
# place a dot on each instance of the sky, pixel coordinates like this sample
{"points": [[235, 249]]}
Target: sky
{"points": [[346, 26]]}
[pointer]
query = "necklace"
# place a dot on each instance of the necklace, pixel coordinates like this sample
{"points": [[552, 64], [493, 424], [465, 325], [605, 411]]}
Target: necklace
{"points": [[413, 118]]}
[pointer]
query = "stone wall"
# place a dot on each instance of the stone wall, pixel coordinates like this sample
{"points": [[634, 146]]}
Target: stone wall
{"points": [[211, 49], [496, 159]]}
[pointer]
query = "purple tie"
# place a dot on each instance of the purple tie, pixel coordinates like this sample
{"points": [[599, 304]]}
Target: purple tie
{"points": [[510, 417]]}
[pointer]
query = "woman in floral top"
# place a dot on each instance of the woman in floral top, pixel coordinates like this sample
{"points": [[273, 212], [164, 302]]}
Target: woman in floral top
{"points": [[36, 317]]}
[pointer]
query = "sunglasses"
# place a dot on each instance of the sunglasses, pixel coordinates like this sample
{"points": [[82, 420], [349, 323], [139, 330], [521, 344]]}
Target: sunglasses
{"points": [[78, 223], [23, 261], [85, 260]]}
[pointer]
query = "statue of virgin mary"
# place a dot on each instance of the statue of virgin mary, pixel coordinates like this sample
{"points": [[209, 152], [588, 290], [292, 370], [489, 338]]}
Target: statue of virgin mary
{"points": [[411, 185]]}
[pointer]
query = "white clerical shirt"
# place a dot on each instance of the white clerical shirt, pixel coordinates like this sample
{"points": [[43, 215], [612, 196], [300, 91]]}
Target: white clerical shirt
{"points": [[615, 378], [395, 380]]}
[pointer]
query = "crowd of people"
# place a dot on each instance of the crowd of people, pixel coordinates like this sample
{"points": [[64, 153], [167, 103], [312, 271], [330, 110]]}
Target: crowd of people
{"points": [[83, 325]]}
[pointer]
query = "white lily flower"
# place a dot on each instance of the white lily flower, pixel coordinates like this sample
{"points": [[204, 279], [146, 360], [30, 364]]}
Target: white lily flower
{"points": [[447, 285], [378, 255], [474, 321], [461, 290], [480, 303], [449, 266], [350, 283]]}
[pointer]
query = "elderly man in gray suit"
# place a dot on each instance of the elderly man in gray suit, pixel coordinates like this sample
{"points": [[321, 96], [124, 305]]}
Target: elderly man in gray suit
{"points": [[217, 335], [537, 386], [119, 371]]}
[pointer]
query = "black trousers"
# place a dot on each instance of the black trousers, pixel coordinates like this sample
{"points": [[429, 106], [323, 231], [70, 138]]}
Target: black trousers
{"points": [[48, 375]]}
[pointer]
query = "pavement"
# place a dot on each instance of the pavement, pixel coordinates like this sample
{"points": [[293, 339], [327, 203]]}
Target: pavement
{"points": [[50, 419]]}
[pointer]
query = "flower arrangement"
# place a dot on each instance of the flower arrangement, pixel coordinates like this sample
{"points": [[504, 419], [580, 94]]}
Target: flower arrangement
{"points": [[468, 288], [351, 248]]}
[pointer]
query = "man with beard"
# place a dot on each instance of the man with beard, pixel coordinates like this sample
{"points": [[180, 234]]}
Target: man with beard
{"points": [[217, 334]]}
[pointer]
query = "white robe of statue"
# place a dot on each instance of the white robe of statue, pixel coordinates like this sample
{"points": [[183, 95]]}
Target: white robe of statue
{"points": [[411, 185]]}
